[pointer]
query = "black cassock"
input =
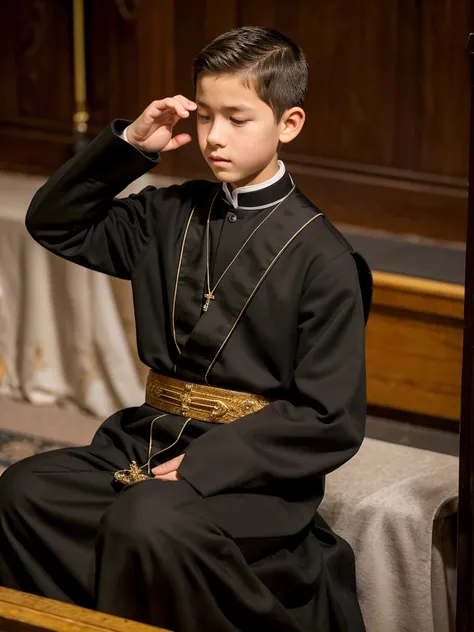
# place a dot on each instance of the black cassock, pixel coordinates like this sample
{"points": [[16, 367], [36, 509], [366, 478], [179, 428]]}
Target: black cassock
{"points": [[236, 544]]}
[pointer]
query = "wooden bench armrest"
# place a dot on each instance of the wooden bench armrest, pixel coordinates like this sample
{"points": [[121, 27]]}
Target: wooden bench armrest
{"points": [[22, 612]]}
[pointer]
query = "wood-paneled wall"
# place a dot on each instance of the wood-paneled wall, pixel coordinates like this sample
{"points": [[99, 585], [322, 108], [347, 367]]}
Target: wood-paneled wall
{"points": [[386, 139], [36, 76]]}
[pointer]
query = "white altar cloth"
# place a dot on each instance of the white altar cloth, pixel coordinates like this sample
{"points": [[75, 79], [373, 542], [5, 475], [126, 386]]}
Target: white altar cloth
{"points": [[65, 332]]}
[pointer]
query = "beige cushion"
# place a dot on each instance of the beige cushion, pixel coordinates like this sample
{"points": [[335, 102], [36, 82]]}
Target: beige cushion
{"points": [[396, 506]]}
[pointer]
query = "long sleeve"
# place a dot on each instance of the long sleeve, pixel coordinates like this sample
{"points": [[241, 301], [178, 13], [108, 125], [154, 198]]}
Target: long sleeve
{"points": [[76, 215], [286, 446]]}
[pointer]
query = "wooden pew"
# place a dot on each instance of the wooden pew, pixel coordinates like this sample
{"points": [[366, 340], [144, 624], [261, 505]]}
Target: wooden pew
{"points": [[414, 345], [22, 612]]}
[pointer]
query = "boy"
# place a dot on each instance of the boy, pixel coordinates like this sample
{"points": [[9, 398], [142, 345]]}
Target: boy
{"points": [[197, 510]]}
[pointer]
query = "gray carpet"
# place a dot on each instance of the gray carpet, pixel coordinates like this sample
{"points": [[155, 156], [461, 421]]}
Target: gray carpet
{"points": [[16, 446]]}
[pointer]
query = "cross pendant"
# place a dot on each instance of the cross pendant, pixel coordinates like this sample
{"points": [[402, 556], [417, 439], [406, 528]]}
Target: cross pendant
{"points": [[209, 297]]}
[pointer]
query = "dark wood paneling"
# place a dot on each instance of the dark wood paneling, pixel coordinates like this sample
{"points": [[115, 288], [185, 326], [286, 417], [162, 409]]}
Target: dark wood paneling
{"points": [[130, 62], [35, 83], [444, 85], [401, 206], [156, 46], [112, 63], [350, 102], [37, 78], [405, 71], [388, 80], [157, 58], [196, 24], [43, 77], [385, 143]]}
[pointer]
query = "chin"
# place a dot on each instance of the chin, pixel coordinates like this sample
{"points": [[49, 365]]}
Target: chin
{"points": [[231, 177], [226, 177], [222, 176]]}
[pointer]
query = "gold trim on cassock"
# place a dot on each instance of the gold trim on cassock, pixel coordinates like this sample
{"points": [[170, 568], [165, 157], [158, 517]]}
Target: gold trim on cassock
{"points": [[277, 256], [177, 279]]}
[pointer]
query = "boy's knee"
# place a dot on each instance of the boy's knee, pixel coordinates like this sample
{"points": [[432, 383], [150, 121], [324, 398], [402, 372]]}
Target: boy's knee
{"points": [[134, 518], [17, 487]]}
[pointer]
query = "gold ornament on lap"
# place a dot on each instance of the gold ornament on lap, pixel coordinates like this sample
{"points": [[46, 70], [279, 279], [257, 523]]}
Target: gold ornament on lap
{"points": [[132, 475]]}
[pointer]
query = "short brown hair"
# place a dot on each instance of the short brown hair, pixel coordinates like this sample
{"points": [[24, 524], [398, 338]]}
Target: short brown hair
{"points": [[268, 61]]}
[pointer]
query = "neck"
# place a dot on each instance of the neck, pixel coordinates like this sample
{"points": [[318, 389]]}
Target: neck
{"points": [[259, 194], [257, 178]]}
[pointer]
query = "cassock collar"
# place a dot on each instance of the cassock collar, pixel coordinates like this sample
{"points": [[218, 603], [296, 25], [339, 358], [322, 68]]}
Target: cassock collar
{"points": [[259, 196]]}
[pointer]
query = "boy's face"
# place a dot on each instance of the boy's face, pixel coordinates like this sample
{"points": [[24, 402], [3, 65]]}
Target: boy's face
{"points": [[237, 127]]}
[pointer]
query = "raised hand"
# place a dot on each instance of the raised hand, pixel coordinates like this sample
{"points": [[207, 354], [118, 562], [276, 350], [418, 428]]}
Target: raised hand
{"points": [[153, 130]]}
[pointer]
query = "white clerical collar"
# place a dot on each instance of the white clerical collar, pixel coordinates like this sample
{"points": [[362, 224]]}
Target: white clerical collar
{"points": [[242, 192]]}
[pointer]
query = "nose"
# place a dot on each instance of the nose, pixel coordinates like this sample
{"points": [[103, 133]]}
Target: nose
{"points": [[216, 135]]}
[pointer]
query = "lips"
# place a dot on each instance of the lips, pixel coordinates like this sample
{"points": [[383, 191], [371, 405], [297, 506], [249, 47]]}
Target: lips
{"points": [[218, 159]]}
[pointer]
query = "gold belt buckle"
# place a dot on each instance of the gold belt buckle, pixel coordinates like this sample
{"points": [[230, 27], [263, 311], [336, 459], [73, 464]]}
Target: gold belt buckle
{"points": [[186, 400], [215, 408], [200, 401]]}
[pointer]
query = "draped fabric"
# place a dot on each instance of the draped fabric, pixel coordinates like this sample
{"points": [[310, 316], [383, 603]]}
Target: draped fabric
{"points": [[397, 506], [62, 335], [65, 332]]}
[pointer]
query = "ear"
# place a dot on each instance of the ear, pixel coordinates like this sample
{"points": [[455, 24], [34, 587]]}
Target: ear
{"points": [[291, 124]]}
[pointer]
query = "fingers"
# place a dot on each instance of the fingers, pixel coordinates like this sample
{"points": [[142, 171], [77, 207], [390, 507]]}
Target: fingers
{"points": [[188, 106], [177, 141], [172, 476], [168, 467], [153, 129], [178, 105]]}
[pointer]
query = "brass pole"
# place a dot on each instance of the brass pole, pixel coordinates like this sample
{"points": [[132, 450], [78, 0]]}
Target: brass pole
{"points": [[81, 115]]}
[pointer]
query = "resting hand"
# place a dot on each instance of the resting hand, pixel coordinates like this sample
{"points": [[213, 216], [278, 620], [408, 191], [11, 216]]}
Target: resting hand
{"points": [[168, 471], [152, 131]]}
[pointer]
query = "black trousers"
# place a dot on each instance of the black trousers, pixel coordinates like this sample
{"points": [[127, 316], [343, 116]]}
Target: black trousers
{"points": [[158, 552]]}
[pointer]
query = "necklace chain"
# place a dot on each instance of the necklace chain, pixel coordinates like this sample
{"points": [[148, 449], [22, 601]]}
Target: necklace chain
{"points": [[134, 473], [210, 294]]}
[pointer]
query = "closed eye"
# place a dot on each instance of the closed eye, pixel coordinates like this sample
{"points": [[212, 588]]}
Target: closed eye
{"points": [[238, 121]]}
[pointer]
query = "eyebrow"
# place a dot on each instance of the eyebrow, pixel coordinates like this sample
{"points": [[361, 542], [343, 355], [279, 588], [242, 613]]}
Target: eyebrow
{"points": [[238, 107]]}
